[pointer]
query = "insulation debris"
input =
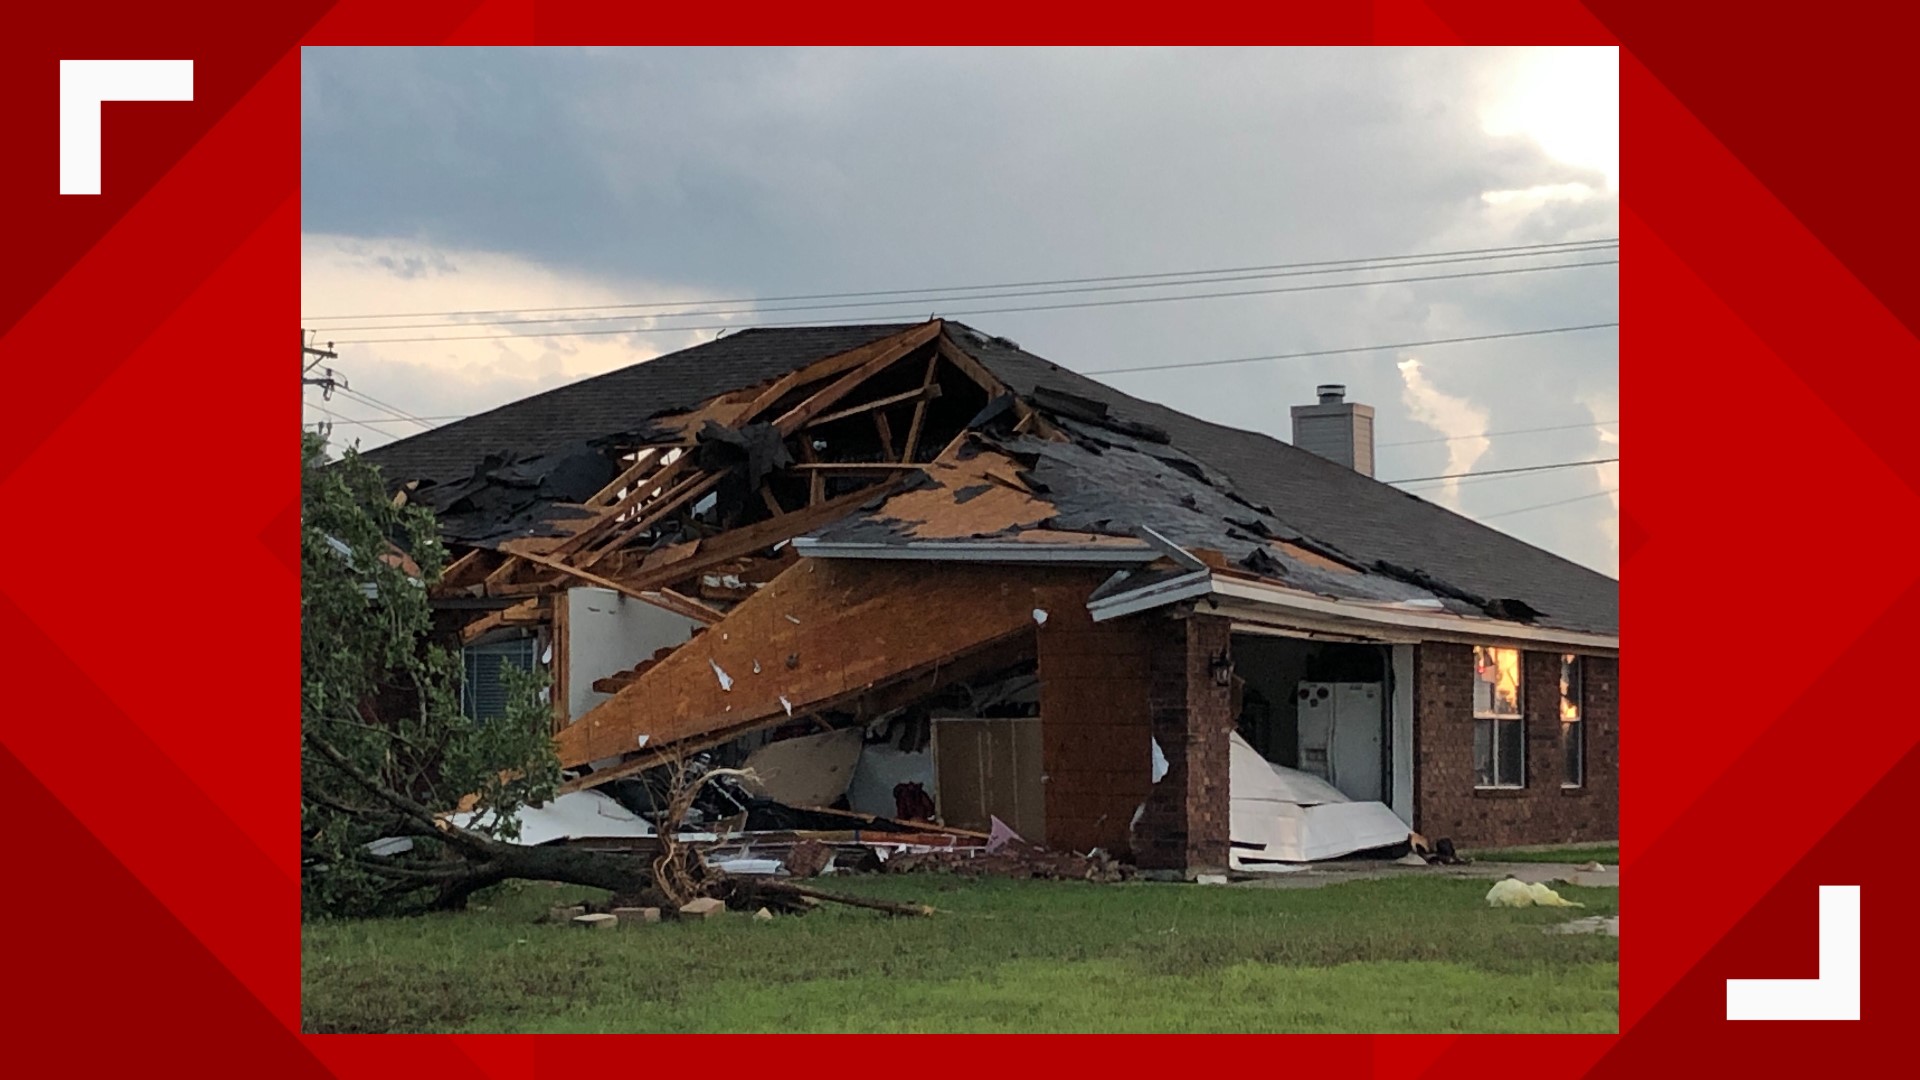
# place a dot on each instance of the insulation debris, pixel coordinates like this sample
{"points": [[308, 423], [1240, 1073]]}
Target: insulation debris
{"points": [[1512, 892]]}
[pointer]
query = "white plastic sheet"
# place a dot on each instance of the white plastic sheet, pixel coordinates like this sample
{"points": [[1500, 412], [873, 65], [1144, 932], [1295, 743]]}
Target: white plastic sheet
{"points": [[577, 815], [1281, 815]]}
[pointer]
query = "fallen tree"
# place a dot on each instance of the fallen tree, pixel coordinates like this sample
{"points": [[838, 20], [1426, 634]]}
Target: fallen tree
{"points": [[388, 754]]}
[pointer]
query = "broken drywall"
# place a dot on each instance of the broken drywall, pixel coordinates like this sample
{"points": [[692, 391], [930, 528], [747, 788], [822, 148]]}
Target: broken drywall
{"points": [[810, 770]]}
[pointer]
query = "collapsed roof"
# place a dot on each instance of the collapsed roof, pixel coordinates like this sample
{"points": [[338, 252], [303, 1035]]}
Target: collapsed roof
{"points": [[562, 473]]}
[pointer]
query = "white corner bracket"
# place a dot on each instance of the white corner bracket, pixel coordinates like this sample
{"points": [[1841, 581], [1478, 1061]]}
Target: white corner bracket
{"points": [[1835, 995], [84, 84]]}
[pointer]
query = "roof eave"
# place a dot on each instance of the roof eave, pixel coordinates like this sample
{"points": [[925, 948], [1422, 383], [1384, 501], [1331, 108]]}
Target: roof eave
{"points": [[1259, 603]]}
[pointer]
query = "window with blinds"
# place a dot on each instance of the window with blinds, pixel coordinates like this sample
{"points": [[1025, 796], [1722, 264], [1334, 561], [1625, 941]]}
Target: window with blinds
{"points": [[483, 689]]}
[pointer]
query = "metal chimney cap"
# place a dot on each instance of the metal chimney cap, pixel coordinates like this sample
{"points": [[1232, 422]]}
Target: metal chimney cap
{"points": [[1331, 393]]}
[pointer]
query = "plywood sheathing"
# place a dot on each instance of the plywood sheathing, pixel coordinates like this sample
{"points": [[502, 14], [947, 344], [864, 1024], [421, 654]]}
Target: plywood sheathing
{"points": [[818, 634], [963, 501]]}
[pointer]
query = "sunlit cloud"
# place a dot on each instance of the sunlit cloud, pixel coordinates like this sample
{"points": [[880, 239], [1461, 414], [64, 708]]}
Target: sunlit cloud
{"points": [[400, 284], [1608, 475], [1567, 100], [1463, 423]]}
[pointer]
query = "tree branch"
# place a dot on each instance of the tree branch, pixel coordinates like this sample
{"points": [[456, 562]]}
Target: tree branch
{"points": [[418, 816]]}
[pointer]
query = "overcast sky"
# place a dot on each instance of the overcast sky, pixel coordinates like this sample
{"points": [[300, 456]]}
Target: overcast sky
{"points": [[444, 180]]}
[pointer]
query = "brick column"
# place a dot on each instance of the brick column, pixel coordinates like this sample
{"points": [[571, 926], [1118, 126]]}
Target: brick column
{"points": [[1185, 826]]}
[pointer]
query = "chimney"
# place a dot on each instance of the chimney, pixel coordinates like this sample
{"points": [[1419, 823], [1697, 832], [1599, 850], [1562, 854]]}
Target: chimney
{"points": [[1336, 429]]}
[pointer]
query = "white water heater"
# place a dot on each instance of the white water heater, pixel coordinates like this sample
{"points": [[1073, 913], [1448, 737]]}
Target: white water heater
{"points": [[1342, 728]]}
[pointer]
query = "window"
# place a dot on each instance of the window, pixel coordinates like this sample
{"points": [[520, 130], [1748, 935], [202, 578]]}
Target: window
{"points": [[483, 689], [1573, 733], [1499, 729]]}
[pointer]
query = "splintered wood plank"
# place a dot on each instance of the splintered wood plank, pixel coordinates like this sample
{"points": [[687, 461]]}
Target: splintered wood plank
{"points": [[897, 348], [646, 460], [502, 576], [823, 632], [459, 570], [683, 493], [665, 481], [520, 614]]}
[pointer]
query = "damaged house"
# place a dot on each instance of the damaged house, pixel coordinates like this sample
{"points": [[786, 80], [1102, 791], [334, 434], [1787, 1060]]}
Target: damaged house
{"points": [[917, 572]]}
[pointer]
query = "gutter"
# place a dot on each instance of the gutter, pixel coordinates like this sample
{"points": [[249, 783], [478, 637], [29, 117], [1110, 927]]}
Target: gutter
{"points": [[1275, 605]]}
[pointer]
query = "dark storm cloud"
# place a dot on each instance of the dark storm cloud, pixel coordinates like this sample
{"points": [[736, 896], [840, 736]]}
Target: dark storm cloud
{"points": [[744, 172]]}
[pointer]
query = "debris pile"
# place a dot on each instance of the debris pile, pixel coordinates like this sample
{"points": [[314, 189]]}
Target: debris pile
{"points": [[1015, 860]]}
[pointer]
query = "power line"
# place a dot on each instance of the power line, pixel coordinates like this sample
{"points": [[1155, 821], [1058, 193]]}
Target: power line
{"points": [[1506, 472], [1545, 505], [1354, 349], [1509, 431], [1544, 248], [1003, 310], [373, 421], [368, 399], [400, 417], [919, 300]]}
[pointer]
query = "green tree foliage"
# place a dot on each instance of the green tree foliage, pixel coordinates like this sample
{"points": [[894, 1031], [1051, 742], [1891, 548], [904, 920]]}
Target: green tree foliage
{"points": [[386, 751]]}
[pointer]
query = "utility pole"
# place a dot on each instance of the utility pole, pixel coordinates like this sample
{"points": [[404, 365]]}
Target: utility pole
{"points": [[327, 381]]}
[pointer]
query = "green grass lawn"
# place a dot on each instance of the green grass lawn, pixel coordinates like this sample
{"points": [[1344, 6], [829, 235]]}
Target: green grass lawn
{"points": [[1402, 954], [1606, 854]]}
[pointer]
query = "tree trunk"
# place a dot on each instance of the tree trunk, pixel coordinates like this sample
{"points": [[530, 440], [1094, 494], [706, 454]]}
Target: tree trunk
{"points": [[620, 873]]}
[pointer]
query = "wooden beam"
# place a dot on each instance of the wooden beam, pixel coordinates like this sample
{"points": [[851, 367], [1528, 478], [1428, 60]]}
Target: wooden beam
{"points": [[662, 481], [929, 389], [502, 575], [513, 615], [970, 367], [451, 574], [592, 578], [922, 394], [688, 606], [773, 504], [973, 369], [643, 464], [902, 344], [560, 671], [758, 537], [885, 430], [684, 492], [821, 369]]}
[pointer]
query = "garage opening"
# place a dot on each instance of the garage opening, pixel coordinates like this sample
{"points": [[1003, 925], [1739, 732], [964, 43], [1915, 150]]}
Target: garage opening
{"points": [[1321, 707]]}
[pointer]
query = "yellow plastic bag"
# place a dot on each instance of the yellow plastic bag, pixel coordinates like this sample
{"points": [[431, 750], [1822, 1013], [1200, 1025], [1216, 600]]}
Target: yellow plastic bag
{"points": [[1512, 892]]}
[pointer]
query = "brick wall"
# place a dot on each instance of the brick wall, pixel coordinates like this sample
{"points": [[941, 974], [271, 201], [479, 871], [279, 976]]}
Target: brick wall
{"points": [[1446, 803], [1185, 825], [1094, 722]]}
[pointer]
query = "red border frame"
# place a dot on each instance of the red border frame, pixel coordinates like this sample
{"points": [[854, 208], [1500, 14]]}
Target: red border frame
{"points": [[151, 783]]}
